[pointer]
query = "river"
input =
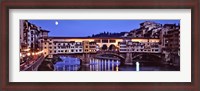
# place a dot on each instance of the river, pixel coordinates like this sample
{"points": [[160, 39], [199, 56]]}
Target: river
{"points": [[74, 64]]}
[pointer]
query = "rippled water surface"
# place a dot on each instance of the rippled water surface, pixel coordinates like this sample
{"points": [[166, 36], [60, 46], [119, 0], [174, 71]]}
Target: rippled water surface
{"points": [[73, 64]]}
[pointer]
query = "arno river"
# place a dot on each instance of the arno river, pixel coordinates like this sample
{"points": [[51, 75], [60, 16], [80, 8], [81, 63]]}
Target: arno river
{"points": [[73, 64]]}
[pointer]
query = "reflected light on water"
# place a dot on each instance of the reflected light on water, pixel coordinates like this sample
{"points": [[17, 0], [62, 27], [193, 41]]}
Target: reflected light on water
{"points": [[73, 64]]}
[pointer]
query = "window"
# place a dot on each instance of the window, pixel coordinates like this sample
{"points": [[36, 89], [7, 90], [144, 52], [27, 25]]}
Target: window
{"points": [[92, 46], [80, 50], [86, 46], [45, 47], [54, 51], [98, 41], [112, 41], [50, 43], [72, 50], [104, 41], [50, 51], [31, 45], [54, 47], [122, 49]]}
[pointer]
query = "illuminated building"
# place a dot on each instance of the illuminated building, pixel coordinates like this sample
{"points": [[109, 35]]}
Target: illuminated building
{"points": [[140, 45]]}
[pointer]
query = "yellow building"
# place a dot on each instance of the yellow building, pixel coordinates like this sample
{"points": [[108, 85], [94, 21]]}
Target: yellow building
{"points": [[86, 46]]}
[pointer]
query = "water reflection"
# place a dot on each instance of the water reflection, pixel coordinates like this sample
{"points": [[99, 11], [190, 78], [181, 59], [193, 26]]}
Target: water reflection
{"points": [[73, 64], [103, 65], [68, 64]]}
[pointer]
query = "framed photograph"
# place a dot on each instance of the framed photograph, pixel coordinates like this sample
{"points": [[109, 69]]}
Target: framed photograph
{"points": [[100, 45]]}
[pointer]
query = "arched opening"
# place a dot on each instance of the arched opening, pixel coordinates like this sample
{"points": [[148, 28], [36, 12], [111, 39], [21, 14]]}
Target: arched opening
{"points": [[147, 59], [112, 57], [112, 47], [104, 47]]}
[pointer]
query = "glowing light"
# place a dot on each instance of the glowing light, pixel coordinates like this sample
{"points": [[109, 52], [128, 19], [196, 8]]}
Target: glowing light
{"points": [[33, 53], [26, 49], [56, 23], [117, 68], [28, 54], [39, 52]]}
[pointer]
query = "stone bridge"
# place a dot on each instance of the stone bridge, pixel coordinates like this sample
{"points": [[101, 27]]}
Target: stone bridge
{"points": [[147, 57], [113, 55]]}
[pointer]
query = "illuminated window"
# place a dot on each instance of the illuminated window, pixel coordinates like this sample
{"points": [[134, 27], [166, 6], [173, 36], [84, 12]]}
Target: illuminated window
{"points": [[112, 41], [104, 41], [97, 41]]}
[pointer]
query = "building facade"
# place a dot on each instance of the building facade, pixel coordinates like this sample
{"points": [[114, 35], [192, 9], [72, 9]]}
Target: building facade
{"points": [[140, 46], [30, 36], [171, 43], [73, 45]]}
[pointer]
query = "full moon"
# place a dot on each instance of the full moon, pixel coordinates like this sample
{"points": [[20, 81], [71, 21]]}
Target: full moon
{"points": [[56, 23]]}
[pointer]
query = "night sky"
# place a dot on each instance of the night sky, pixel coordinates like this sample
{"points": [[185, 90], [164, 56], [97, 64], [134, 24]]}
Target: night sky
{"points": [[83, 28]]}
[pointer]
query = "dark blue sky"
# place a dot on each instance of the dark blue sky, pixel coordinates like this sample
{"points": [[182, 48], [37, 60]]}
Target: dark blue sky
{"points": [[81, 28]]}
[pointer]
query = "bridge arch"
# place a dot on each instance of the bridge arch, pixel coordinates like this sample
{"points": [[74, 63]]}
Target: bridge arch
{"points": [[112, 47], [146, 57], [113, 55], [104, 47]]}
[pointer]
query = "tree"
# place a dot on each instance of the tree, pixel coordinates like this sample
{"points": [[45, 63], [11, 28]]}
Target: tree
{"points": [[93, 35]]}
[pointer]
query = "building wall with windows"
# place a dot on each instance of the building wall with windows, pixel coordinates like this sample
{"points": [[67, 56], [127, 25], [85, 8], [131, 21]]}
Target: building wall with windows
{"points": [[140, 46], [62, 46], [171, 37], [86, 46], [90, 45], [93, 47]]}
